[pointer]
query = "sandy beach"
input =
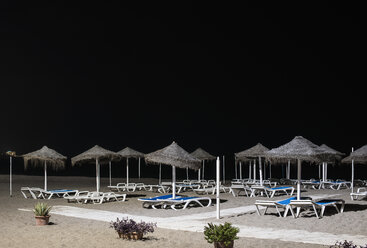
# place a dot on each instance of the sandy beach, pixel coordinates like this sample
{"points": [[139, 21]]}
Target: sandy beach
{"points": [[18, 227]]}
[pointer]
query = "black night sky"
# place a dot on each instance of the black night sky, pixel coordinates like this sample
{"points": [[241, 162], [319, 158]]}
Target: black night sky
{"points": [[220, 76]]}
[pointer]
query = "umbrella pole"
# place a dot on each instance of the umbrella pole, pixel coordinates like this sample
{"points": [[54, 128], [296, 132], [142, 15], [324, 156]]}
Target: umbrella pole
{"points": [[264, 177], [319, 171], [254, 170], [11, 176], [127, 170], [45, 168], [160, 174], [174, 182], [109, 167], [288, 170], [270, 169], [249, 171], [139, 168], [217, 186], [325, 171], [224, 171], [235, 169], [187, 173], [97, 174], [240, 170], [203, 169], [352, 183], [260, 172], [298, 179]]}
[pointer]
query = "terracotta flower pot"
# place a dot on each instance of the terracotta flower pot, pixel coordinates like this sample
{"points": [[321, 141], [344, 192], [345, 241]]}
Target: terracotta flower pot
{"points": [[222, 245], [133, 235], [42, 220]]}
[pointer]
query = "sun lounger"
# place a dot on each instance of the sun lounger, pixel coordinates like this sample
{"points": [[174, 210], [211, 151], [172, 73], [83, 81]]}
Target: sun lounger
{"points": [[107, 197], [314, 206], [270, 192], [361, 192], [284, 204], [336, 185], [314, 184], [184, 202], [31, 192], [79, 197], [236, 189], [155, 201], [205, 190], [118, 187], [48, 194]]}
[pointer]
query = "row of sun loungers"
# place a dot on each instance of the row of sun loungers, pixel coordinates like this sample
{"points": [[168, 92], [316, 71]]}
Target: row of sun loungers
{"points": [[306, 203], [95, 197]]}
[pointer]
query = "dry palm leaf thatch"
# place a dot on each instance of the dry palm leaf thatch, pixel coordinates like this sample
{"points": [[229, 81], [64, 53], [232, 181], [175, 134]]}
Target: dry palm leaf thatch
{"points": [[202, 154], [298, 148], [96, 152], [335, 155], [359, 156], [254, 152], [173, 155], [45, 154], [130, 153]]}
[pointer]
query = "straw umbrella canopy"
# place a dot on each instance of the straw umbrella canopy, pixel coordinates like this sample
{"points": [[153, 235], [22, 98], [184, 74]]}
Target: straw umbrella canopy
{"points": [[202, 155], [175, 156], [130, 153], [334, 156], [358, 156], [301, 149], [257, 151], [97, 154], [45, 156]]}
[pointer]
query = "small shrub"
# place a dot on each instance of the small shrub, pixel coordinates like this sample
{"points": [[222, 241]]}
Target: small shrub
{"points": [[221, 233], [41, 209], [126, 225], [346, 244]]}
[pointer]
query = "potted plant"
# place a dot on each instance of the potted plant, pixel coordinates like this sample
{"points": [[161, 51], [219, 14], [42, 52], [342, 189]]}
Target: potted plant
{"points": [[41, 211], [222, 236], [130, 229]]}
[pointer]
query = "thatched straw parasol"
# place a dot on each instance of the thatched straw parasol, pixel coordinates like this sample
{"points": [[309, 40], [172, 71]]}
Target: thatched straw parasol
{"points": [[97, 154], [46, 156], [175, 156], [301, 149], [334, 157], [202, 155], [130, 153], [358, 156], [257, 151]]}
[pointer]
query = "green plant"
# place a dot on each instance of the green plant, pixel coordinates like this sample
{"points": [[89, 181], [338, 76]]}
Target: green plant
{"points": [[221, 233], [41, 209], [126, 225]]}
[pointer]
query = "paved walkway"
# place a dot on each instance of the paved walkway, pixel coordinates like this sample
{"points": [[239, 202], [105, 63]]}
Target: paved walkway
{"points": [[196, 223]]}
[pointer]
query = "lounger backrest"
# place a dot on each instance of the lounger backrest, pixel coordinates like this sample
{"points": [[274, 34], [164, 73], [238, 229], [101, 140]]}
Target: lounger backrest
{"points": [[286, 201]]}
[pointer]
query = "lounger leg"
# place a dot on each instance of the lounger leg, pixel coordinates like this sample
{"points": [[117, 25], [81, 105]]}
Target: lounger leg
{"points": [[276, 207], [286, 211], [257, 210], [342, 207], [266, 209], [298, 211], [336, 207], [272, 194], [321, 212], [292, 212]]}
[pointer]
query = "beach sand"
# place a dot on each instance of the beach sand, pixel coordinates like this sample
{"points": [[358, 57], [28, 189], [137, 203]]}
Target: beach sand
{"points": [[18, 227]]}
